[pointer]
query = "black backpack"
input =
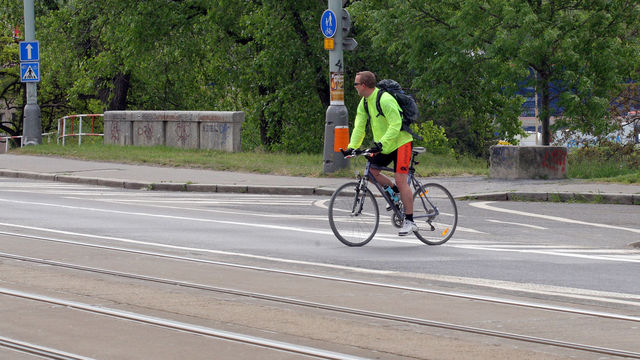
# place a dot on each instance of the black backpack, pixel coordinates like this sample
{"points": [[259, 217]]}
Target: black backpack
{"points": [[408, 106]]}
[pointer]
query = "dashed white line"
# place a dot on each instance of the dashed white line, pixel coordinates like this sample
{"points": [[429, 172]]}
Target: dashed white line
{"points": [[485, 205], [518, 224]]}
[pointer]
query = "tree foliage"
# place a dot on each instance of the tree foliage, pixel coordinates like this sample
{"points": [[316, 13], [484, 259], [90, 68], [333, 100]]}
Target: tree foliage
{"points": [[471, 57]]}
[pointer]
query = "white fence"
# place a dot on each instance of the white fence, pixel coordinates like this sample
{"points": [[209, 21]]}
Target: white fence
{"points": [[7, 140], [67, 126]]}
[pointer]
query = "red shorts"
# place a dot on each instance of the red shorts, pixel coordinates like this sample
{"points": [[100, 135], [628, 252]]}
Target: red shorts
{"points": [[401, 158]]}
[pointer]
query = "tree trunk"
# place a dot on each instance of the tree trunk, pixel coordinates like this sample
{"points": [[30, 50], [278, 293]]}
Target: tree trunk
{"points": [[544, 114], [121, 87]]}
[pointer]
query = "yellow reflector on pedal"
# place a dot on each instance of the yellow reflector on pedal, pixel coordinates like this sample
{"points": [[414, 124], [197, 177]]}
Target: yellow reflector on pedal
{"points": [[445, 232], [424, 193]]}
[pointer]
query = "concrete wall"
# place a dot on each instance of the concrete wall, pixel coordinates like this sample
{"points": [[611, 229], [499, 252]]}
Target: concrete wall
{"points": [[214, 130], [528, 162]]}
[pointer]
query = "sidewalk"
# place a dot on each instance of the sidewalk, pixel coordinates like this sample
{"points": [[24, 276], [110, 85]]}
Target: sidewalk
{"points": [[181, 179]]}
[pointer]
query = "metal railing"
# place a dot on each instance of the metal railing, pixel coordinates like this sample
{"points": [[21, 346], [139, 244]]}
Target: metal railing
{"points": [[7, 140], [70, 120]]}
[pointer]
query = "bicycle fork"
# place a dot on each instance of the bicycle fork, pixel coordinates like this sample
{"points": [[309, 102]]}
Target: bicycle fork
{"points": [[358, 202], [430, 210]]}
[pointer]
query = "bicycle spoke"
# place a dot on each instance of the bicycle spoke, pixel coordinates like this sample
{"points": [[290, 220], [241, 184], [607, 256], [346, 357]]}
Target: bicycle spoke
{"points": [[435, 213], [353, 215]]}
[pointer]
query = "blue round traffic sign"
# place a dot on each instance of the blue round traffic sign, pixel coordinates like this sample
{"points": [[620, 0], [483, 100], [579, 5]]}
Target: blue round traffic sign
{"points": [[328, 24]]}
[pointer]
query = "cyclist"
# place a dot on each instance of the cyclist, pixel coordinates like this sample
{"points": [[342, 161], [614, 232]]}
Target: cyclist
{"points": [[390, 142]]}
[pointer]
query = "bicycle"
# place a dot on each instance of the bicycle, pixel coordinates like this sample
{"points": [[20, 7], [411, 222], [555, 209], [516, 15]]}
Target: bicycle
{"points": [[354, 216]]}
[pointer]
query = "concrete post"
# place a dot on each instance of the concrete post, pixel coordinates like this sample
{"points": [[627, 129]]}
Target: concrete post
{"points": [[32, 125], [337, 116]]}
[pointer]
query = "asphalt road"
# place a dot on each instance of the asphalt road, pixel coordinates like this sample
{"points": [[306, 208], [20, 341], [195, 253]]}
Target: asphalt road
{"points": [[576, 247], [576, 263]]}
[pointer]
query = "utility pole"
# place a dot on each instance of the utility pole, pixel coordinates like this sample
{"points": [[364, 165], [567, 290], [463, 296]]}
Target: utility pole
{"points": [[32, 126], [335, 24]]}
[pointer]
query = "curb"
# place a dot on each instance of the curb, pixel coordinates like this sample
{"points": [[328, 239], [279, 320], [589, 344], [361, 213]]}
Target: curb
{"points": [[596, 198]]}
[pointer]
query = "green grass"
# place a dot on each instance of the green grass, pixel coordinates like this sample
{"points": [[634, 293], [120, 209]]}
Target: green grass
{"points": [[308, 165], [610, 162], [604, 164]]}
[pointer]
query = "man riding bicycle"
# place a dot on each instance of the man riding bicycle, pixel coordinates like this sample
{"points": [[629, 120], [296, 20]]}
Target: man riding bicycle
{"points": [[391, 143]]}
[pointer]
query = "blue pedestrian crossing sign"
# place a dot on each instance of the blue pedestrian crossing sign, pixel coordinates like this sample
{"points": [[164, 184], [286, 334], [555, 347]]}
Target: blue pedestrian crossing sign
{"points": [[30, 72], [29, 51], [328, 24]]}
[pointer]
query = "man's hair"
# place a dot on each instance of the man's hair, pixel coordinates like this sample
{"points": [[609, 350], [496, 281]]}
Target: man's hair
{"points": [[367, 78]]}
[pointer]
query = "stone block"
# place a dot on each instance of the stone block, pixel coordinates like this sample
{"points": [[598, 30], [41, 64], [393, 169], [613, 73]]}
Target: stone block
{"points": [[221, 130], [118, 129], [148, 133], [169, 187], [202, 187], [527, 196], [214, 130], [182, 133]]}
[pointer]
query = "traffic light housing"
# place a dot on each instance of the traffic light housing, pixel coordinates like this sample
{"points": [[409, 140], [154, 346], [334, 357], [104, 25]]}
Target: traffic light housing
{"points": [[347, 42]]}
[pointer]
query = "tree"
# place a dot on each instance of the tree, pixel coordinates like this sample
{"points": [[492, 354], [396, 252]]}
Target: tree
{"points": [[471, 57], [274, 65], [262, 57], [11, 91]]}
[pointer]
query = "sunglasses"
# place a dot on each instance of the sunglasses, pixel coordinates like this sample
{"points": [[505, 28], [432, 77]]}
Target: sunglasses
{"points": [[357, 84]]}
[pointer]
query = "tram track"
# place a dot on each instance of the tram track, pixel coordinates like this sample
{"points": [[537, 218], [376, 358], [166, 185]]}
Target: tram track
{"points": [[340, 309], [180, 326], [474, 297], [316, 305], [37, 350]]}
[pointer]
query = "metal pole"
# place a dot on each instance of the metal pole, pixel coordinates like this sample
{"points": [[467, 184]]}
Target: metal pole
{"points": [[32, 126], [80, 132], [337, 115]]}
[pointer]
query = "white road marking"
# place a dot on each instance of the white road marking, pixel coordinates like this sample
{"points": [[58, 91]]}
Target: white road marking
{"points": [[485, 205], [381, 237], [611, 297], [518, 224], [226, 222], [633, 258]]}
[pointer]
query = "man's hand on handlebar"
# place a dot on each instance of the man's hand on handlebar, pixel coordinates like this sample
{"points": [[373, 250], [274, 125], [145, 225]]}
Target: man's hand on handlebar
{"points": [[376, 148], [348, 153]]}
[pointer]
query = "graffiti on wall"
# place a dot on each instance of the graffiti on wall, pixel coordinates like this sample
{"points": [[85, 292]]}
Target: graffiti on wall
{"points": [[115, 132], [183, 132], [146, 131], [555, 160]]}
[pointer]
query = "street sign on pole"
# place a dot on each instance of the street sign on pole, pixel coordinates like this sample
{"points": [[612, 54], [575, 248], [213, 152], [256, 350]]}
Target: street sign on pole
{"points": [[30, 72], [328, 23], [29, 51]]}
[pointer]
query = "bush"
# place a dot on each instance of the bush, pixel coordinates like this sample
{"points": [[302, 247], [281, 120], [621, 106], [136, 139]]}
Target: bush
{"points": [[604, 160], [435, 139]]}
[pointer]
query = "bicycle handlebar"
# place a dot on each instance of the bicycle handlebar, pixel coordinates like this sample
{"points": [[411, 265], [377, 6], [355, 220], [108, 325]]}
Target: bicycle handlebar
{"points": [[358, 152]]}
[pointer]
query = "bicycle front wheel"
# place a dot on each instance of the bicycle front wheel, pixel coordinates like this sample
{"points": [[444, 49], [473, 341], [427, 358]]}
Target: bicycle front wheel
{"points": [[353, 214], [436, 214]]}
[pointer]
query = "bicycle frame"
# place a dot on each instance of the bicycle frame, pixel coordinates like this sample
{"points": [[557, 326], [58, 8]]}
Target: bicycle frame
{"points": [[368, 176], [411, 180]]}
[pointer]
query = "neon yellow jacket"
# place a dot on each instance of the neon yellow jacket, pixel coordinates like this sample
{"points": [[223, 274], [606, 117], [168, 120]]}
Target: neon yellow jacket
{"points": [[386, 129]]}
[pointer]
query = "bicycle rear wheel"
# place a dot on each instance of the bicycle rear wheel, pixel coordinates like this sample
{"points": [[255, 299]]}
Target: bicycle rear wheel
{"points": [[436, 214], [353, 214]]}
